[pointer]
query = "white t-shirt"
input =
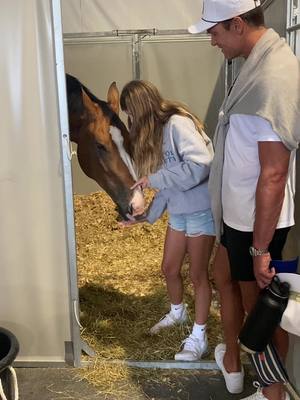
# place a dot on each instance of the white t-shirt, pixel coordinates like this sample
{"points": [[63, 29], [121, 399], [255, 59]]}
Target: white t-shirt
{"points": [[241, 171]]}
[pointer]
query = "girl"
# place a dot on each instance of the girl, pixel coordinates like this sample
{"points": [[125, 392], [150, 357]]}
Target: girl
{"points": [[173, 155]]}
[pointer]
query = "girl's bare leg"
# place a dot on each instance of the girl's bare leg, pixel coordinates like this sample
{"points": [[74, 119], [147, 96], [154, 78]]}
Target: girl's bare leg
{"points": [[174, 252], [199, 249]]}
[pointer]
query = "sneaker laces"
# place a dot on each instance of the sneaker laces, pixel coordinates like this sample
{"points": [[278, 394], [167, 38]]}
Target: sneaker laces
{"points": [[191, 343], [167, 319]]}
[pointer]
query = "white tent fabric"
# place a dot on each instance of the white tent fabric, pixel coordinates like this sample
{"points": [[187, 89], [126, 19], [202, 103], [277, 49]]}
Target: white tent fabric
{"points": [[34, 267], [103, 15]]}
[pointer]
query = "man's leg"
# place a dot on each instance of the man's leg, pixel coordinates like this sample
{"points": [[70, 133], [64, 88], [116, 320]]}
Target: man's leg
{"points": [[232, 314]]}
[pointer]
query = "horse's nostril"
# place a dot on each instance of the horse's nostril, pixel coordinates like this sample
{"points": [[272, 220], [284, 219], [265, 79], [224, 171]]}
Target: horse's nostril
{"points": [[130, 209]]}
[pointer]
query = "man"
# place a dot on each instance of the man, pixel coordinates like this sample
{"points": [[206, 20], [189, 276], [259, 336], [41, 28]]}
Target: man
{"points": [[252, 176]]}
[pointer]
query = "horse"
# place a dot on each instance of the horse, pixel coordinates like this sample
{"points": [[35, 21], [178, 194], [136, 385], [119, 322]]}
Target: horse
{"points": [[103, 144]]}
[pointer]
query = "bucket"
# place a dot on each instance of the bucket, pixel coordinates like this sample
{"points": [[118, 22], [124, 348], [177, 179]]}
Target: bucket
{"points": [[289, 266], [9, 348]]}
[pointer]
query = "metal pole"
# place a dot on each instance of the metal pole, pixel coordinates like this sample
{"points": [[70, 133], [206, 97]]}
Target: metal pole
{"points": [[136, 70], [74, 350], [128, 32]]}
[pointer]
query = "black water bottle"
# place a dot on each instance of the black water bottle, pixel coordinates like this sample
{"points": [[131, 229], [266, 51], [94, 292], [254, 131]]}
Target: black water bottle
{"points": [[264, 318]]}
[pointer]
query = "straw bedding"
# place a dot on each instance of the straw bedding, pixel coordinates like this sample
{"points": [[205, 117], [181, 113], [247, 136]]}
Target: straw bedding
{"points": [[122, 291]]}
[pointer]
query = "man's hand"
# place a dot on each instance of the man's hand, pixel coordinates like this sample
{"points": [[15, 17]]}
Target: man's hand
{"points": [[262, 271]]}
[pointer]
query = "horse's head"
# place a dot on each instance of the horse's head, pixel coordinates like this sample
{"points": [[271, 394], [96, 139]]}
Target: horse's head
{"points": [[103, 145]]}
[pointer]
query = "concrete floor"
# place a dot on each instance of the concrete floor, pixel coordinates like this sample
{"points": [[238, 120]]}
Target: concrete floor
{"points": [[63, 384]]}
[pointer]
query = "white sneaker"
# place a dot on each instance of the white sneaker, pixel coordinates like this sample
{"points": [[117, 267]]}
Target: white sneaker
{"points": [[169, 320], [193, 349], [234, 381], [258, 395]]}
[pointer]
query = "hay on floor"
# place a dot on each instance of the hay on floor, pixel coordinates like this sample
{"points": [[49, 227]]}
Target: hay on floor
{"points": [[122, 291]]}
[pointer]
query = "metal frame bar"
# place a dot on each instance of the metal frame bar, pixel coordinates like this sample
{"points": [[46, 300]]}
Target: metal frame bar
{"points": [[67, 176], [136, 55], [77, 40], [293, 28], [167, 364], [129, 32]]}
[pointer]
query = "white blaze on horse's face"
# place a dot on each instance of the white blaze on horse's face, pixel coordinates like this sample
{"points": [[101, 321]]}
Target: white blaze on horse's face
{"points": [[119, 140], [137, 202]]}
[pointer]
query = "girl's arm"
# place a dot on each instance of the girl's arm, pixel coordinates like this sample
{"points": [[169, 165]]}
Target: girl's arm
{"points": [[187, 163]]}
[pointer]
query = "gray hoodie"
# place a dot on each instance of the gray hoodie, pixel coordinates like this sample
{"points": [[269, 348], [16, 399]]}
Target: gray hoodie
{"points": [[182, 180]]}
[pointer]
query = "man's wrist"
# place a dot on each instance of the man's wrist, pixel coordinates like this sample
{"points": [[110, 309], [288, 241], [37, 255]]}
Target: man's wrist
{"points": [[254, 251]]}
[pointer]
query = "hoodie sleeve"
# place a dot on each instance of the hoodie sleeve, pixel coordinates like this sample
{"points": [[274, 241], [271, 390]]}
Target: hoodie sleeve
{"points": [[191, 157], [157, 207]]}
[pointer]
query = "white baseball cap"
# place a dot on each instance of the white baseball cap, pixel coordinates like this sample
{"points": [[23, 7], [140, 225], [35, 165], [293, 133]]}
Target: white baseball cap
{"points": [[215, 11]]}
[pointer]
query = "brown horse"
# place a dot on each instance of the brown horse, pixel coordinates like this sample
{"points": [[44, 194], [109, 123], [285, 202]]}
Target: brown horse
{"points": [[103, 144]]}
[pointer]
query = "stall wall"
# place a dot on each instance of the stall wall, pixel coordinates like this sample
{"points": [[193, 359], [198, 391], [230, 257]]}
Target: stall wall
{"points": [[34, 282], [103, 15], [189, 70]]}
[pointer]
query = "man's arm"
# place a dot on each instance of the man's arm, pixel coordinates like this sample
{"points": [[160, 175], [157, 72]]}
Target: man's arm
{"points": [[274, 162]]}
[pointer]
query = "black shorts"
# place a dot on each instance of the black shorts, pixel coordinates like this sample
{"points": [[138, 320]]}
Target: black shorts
{"points": [[237, 244]]}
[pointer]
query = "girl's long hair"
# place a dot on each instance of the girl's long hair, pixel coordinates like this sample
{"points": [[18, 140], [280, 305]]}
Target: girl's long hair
{"points": [[148, 113]]}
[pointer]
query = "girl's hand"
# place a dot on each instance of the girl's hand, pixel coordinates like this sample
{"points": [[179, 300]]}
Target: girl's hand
{"points": [[142, 183], [132, 221], [127, 224]]}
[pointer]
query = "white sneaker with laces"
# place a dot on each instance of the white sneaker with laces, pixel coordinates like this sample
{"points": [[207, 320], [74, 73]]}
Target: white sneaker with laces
{"points": [[258, 395], [193, 349], [169, 320], [234, 381]]}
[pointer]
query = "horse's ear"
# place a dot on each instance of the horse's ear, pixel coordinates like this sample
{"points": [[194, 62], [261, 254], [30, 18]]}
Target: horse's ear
{"points": [[92, 108], [113, 98], [87, 102]]}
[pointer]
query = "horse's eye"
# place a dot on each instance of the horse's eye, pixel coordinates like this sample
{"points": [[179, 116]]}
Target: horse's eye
{"points": [[100, 148]]}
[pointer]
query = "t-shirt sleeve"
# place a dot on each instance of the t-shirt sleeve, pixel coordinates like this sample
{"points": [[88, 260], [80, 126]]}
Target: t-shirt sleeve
{"points": [[264, 131]]}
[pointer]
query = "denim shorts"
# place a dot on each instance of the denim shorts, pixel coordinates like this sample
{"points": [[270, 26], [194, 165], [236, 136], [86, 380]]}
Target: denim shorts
{"points": [[195, 224]]}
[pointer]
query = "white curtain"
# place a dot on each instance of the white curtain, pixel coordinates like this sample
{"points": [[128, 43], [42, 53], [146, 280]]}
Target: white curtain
{"points": [[34, 282]]}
